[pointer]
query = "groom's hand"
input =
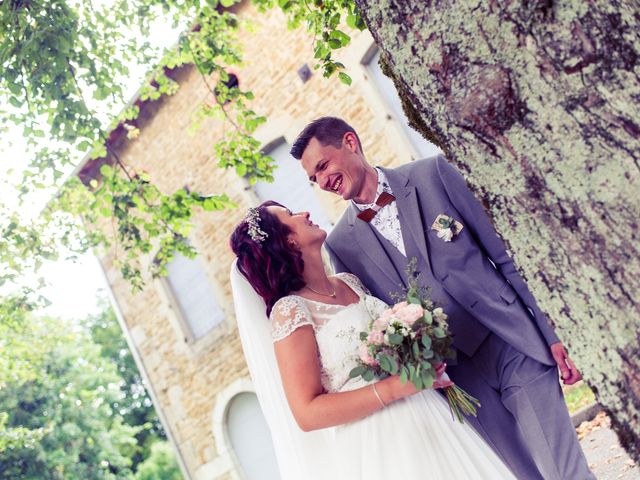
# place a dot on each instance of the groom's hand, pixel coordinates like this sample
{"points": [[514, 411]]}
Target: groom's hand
{"points": [[568, 371]]}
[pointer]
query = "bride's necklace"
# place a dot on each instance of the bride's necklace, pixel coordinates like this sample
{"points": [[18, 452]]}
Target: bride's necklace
{"points": [[332, 294]]}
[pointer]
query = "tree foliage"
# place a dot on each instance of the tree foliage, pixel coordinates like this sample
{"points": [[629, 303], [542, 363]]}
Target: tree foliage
{"points": [[134, 403], [63, 70], [160, 464], [73, 404], [56, 401]]}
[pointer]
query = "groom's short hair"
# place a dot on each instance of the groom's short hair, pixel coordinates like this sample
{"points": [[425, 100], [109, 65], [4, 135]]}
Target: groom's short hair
{"points": [[327, 130]]}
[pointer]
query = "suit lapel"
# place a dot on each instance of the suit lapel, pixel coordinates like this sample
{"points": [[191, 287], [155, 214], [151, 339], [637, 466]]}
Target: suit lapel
{"points": [[409, 214], [362, 233]]}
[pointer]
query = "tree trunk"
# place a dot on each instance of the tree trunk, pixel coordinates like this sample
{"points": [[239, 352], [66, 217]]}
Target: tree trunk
{"points": [[538, 104]]}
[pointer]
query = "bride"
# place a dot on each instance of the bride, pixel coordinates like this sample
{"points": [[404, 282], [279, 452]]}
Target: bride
{"points": [[376, 431]]}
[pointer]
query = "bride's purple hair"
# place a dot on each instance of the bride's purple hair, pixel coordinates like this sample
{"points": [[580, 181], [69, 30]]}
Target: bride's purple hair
{"points": [[272, 267]]}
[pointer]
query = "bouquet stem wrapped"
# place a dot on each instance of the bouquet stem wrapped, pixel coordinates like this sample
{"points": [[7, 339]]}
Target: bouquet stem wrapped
{"points": [[410, 339]]}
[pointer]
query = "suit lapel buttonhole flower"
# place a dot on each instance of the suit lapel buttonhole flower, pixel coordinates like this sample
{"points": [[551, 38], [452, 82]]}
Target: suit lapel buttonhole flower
{"points": [[446, 227]]}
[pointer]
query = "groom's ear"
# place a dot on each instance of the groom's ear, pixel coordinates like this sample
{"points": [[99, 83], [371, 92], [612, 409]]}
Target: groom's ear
{"points": [[350, 141]]}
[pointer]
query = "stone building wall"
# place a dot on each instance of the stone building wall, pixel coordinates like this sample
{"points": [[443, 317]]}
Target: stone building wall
{"points": [[192, 381]]}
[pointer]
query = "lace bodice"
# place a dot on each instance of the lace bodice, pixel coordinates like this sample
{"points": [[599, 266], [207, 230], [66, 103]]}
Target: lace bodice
{"points": [[337, 329]]}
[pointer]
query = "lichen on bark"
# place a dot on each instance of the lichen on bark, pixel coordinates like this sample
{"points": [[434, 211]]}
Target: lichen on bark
{"points": [[538, 104]]}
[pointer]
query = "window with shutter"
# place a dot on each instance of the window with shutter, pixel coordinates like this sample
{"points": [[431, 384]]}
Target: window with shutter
{"points": [[193, 296], [291, 186]]}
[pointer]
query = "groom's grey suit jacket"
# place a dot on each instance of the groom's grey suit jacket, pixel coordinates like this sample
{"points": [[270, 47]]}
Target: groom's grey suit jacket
{"points": [[481, 288]]}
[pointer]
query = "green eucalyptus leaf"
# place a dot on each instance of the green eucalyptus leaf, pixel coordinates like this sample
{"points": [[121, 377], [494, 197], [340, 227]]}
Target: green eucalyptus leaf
{"points": [[414, 300], [427, 378], [368, 375], [439, 332], [404, 374]]}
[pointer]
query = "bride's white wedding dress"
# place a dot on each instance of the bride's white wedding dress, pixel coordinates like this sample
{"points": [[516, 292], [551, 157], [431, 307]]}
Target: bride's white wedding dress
{"points": [[413, 438]]}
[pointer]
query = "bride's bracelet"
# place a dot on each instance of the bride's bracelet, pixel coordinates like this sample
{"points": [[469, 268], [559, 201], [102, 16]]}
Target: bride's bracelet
{"points": [[375, 391]]}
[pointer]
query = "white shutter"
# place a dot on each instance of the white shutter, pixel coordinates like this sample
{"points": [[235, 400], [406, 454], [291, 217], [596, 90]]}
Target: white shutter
{"points": [[250, 438], [291, 187], [388, 91], [192, 291]]}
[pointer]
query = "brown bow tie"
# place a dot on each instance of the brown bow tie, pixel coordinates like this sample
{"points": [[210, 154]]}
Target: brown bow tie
{"points": [[368, 214]]}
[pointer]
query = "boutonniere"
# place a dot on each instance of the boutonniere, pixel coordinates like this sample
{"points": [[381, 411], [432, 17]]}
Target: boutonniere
{"points": [[446, 227]]}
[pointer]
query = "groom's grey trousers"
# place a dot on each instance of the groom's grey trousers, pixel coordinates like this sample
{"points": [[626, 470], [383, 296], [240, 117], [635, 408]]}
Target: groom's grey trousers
{"points": [[523, 413]]}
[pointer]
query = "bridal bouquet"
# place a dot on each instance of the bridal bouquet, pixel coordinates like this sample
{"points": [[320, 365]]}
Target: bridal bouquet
{"points": [[411, 339]]}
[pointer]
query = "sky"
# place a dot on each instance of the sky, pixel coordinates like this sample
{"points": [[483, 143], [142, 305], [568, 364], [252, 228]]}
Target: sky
{"points": [[73, 287]]}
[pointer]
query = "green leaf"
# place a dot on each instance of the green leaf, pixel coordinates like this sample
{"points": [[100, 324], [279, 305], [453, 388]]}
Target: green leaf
{"points": [[395, 339], [368, 375], [15, 102], [414, 300], [356, 372], [352, 20], [439, 332], [342, 37], [84, 145], [428, 317], [106, 170], [416, 349], [241, 169], [385, 363], [344, 78], [394, 365], [404, 374], [209, 205], [427, 378], [426, 342]]}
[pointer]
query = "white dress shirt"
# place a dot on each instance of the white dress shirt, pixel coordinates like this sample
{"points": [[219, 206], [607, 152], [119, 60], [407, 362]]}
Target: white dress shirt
{"points": [[386, 220]]}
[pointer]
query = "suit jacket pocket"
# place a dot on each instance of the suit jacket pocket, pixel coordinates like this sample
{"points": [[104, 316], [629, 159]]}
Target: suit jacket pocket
{"points": [[507, 293]]}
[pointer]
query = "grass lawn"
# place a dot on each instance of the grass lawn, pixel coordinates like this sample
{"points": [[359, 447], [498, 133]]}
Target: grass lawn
{"points": [[577, 396]]}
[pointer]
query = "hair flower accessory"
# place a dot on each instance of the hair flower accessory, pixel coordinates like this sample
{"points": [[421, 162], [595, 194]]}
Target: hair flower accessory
{"points": [[253, 221]]}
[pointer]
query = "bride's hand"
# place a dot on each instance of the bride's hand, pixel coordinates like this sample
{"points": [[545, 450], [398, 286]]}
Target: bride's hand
{"points": [[393, 389], [399, 390]]}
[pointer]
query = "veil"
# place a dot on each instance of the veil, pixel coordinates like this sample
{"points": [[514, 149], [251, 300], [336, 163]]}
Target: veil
{"points": [[300, 455]]}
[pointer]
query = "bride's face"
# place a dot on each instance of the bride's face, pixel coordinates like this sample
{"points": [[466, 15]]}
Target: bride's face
{"points": [[304, 232]]}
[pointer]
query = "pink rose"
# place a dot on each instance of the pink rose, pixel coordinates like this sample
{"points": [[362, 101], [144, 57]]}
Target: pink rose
{"points": [[409, 314], [383, 322], [399, 306], [366, 357], [375, 338]]}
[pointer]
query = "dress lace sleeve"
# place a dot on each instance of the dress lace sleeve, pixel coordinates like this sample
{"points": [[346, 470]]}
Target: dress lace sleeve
{"points": [[354, 282], [288, 314]]}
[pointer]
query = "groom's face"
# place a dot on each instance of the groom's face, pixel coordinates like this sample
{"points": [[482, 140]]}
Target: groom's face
{"points": [[336, 170]]}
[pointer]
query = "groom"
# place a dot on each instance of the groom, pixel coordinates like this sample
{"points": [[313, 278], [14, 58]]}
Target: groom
{"points": [[508, 354]]}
